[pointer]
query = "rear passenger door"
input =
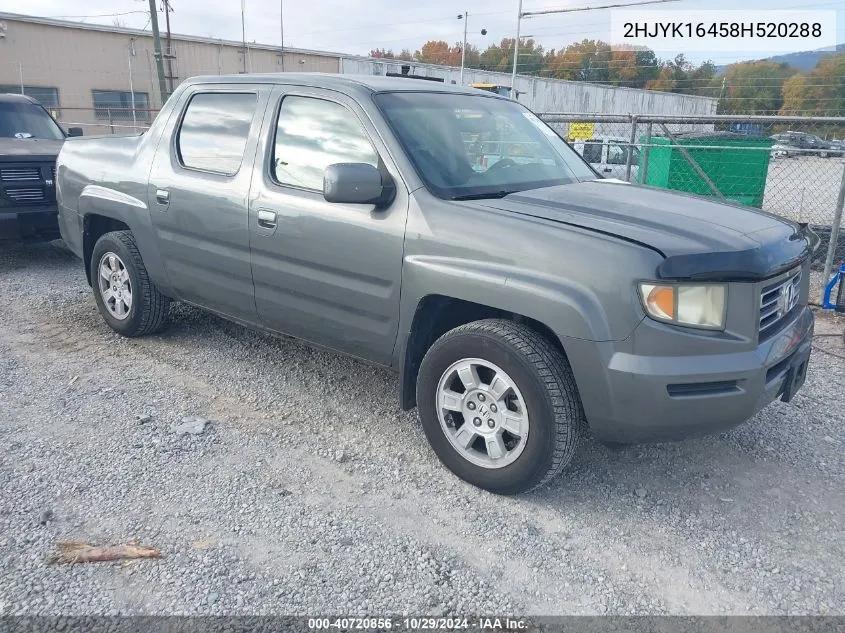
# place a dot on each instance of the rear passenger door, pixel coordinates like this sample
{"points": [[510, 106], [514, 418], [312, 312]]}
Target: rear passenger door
{"points": [[198, 196], [324, 272]]}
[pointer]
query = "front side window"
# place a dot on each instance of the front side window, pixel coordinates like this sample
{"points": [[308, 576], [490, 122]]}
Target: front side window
{"points": [[312, 134], [466, 146], [215, 130], [618, 154]]}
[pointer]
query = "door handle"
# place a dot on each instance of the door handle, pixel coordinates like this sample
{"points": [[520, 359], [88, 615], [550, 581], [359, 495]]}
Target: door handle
{"points": [[607, 170], [266, 219], [162, 196]]}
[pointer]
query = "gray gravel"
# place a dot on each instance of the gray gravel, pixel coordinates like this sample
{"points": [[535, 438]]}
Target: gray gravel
{"points": [[308, 491]]}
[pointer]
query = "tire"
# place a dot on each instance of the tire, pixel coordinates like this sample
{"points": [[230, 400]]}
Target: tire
{"points": [[544, 390], [149, 308]]}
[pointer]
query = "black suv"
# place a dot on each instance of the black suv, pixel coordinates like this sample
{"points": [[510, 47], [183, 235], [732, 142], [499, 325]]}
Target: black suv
{"points": [[30, 140]]}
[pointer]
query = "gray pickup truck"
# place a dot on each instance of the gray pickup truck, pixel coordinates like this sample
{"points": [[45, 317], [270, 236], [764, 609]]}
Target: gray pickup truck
{"points": [[451, 235]]}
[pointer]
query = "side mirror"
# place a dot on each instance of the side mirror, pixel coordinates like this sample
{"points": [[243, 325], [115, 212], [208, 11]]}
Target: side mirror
{"points": [[356, 183], [74, 131]]}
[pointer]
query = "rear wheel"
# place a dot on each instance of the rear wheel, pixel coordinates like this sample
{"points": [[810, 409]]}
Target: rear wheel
{"points": [[499, 405], [128, 301]]}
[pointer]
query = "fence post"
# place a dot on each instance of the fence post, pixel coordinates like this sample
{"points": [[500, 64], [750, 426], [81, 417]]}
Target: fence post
{"points": [[834, 231], [111, 123], [631, 148], [644, 170], [692, 162]]}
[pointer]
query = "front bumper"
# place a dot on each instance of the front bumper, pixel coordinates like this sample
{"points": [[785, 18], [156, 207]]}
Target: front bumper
{"points": [[655, 398], [29, 223]]}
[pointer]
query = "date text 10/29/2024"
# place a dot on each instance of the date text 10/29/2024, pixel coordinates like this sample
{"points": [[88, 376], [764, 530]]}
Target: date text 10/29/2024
{"points": [[417, 624]]}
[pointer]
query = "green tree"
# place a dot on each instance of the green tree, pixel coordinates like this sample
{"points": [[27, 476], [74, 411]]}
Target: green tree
{"points": [[754, 87]]}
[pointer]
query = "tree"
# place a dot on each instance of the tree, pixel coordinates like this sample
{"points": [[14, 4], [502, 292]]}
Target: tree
{"points": [[820, 93], [754, 87], [380, 53]]}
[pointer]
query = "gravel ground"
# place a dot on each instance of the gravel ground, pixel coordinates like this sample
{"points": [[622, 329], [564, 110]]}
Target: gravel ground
{"points": [[310, 492]]}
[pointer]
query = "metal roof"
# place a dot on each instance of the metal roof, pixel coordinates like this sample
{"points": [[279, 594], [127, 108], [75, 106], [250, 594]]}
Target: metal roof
{"points": [[105, 28]]}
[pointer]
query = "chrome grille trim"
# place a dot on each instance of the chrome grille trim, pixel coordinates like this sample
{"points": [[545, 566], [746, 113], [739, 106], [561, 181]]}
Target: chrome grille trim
{"points": [[19, 174], [25, 194], [778, 299]]}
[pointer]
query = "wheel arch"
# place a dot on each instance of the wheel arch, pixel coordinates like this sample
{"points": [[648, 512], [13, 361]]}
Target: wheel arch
{"points": [[103, 210], [435, 315]]}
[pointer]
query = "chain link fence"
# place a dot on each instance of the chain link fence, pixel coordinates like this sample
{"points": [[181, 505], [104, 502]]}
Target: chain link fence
{"points": [[793, 167]]}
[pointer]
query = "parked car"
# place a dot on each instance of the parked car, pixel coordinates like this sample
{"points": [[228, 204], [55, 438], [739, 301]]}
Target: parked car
{"points": [[521, 303], [608, 155], [30, 140], [800, 144]]}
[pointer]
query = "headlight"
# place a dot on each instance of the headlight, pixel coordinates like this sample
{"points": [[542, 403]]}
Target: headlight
{"points": [[693, 305]]}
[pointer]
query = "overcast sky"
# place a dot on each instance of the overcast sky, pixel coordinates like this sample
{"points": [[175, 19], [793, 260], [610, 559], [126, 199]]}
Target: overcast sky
{"points": [[355, 26]]}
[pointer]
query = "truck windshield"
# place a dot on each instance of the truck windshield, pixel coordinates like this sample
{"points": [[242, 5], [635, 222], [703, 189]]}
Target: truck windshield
{"points": [[27, 120], [472, 147]]}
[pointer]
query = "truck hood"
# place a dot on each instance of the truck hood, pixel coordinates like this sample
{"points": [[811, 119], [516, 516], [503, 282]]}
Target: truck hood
{"points": [[28, 148], [700, 238]]}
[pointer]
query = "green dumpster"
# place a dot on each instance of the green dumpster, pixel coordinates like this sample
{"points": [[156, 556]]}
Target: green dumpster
{"points": [[735, 163]]}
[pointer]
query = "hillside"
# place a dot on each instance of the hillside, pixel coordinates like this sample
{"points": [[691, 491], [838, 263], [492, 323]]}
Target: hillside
{"points": [[804, 61]]}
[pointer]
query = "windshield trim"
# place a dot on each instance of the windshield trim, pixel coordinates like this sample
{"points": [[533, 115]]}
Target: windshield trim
{"points": [[482, 191]]}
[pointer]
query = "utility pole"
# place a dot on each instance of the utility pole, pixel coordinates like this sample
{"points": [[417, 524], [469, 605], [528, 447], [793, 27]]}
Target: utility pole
{"points": [[169, 54], [464, 47], [516, 50], [162, 86], [243, 30], [282, 31], [527, 14]]}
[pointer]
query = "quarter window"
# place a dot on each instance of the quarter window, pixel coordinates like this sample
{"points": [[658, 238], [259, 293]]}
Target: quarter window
{"points": [[312, 134], [215, 130]]}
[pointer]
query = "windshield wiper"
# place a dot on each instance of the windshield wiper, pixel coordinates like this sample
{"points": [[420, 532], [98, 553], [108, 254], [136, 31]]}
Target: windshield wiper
{"points": [[485, 196]]}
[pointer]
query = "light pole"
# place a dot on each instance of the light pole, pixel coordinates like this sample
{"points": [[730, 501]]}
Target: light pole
{"points": [[516, 49], [465, 17]]}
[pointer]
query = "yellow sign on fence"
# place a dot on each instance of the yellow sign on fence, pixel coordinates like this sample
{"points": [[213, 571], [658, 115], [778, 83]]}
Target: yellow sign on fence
{"points": [[581, 131]]}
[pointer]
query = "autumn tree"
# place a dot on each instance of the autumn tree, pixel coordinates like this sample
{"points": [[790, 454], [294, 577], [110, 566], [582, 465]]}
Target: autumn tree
{"points": [[754, 87], [820, 93]]}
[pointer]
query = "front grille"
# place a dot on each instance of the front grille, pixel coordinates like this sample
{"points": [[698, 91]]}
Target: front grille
{"points": [[25, 194], [777, 300], [20, 174], [27, 183]]}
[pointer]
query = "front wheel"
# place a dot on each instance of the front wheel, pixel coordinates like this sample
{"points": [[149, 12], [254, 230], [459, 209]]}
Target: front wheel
{"points": [[499, 405]]}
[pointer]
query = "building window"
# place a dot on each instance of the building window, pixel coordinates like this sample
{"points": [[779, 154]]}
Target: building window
{"points": [[46, 96], [116, 105], [215, 130]]}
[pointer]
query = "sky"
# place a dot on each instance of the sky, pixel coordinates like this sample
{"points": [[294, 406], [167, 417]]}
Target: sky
{"points": [[356, 27]]}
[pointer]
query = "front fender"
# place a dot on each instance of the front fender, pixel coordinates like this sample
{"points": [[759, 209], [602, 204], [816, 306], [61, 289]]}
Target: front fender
{"points": [[568, 308]]}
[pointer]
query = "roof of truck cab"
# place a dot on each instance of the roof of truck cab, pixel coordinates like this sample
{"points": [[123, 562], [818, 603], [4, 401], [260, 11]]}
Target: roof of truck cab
{"points": [[343, 83]]}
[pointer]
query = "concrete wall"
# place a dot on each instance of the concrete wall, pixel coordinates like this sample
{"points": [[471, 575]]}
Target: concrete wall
{"points": [[553, 95]]}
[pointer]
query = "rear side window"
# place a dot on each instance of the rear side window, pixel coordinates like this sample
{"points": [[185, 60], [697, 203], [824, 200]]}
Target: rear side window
{"points": [[592, 152], [312, 134], [214, 131]]}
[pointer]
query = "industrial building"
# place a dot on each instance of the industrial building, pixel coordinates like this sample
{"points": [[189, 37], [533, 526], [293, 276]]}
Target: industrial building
{"points": [[104, 77]]}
